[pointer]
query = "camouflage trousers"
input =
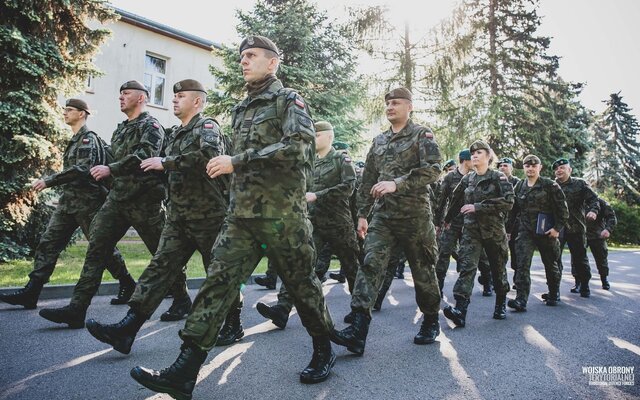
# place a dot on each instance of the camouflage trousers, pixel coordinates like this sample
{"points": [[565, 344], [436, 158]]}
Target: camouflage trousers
{"points": [[580, 268], [240, 246], [549, 248], [417, 238], [109, 226], [447, 247], [178, 241], [397, 256], [600, 253], [472, 246], [56, 237], [340, 240]]}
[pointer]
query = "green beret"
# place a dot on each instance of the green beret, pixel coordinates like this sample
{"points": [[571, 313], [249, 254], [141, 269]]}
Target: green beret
{"points": [[559, 162], [478, 145], [505, 160], [135, 85], [398, 93], [188, 85], [322, 126], [340, 146], [258, 41], [448, 164], [360, 164], [79, 104], [464, 155], [531, 160]]}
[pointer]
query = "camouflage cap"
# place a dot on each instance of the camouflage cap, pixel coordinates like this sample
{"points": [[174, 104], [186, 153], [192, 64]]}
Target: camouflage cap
{"points": [[323, 126], [531, 160], [79, 104], [479, 145], [398, 93], [505, 160], [340, 146], [188, 85], [448, 164], [135, 85], [464, 155], [258, 41], [559, 162]]}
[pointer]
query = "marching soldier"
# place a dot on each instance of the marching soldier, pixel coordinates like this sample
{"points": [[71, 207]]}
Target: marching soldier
{"points": [[598, 231], [505, 165]]}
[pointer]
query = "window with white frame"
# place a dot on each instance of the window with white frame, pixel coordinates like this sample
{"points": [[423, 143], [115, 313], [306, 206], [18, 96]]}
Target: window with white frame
{"points": [[154, 78]]}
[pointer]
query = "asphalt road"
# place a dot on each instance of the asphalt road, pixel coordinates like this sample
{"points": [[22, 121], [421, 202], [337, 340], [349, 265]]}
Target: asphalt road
{"points": [[539, 354]]}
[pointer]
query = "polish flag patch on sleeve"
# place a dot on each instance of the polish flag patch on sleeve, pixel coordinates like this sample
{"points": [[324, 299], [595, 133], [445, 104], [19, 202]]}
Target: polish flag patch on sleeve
{"points": [[85, 141], [156, 125], [208, 125], [299, 102]]}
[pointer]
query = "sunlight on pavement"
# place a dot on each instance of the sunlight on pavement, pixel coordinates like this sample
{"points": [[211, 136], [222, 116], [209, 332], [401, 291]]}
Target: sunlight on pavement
{"points": [[623, 344], [469, 389]]}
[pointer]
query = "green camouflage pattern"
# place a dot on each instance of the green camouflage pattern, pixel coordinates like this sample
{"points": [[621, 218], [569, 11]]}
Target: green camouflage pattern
{"points": [[581, 199]]}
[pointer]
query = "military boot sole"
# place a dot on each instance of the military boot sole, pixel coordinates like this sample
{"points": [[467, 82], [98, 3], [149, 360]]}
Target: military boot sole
{"points": [[311, 379], [56, 319], [29, 305], [119, 344], [237, 336], [146, 380], [277, 319], [351, 345], [452, 315]]}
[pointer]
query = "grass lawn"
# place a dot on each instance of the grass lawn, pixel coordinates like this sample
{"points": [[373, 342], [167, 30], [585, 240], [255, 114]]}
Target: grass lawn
{"points": [[136, 255]]}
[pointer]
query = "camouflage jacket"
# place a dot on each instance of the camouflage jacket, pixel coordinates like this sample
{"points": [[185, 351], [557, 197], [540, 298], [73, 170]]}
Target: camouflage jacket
{"points": [[132, 142], [580, 200], [606, 220], [334, 180], [545, 196], [514, 229], [411, 158], [192, 194], [449, 183], [80, 191], [274, 146], [492, 196]]}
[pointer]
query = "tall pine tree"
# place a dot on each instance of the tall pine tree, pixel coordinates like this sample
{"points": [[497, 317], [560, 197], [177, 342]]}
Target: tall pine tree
{"points": [[317, 61]]}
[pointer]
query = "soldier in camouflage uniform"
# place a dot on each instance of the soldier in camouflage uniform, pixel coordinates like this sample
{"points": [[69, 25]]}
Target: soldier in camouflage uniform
{"points": [[484, 198], [135, 200], [81, 198], [535, 198], [598, 231], [505, 165], [334, 180], [581, 200], [400, 164], [196, 208], [273, 142]]}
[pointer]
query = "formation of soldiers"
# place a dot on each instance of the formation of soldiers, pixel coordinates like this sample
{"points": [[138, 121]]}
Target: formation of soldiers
{"points": [[276, 188]]}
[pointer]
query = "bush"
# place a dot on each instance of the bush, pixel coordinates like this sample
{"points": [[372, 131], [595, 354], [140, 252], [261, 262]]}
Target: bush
{"points": [[628, 229]]}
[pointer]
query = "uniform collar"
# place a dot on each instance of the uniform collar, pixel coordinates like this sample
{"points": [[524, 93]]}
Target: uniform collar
{"points": [[268, 94], [80, 133], [332, 152]]}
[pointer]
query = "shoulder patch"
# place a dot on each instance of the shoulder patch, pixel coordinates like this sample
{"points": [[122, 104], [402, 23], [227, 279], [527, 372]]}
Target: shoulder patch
{"points": [[85, 141], [428, 135], [347, 159], [156, 125], [299, 102], [503, 178]]}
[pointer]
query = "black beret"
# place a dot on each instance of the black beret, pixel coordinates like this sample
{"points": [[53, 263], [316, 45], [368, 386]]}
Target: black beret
{"points": [[479, 144], [559, 162], [448, 164], [79, 104], [398, 93], [258, 41], [188, 85], [531, 160], [136, 85], [360, 164]]}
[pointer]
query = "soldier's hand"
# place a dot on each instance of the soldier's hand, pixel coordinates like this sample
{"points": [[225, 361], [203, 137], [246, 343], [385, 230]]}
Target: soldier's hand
{"points": [[363, 227], [383, 187], [591, 216], [605, 234], [446, 226], [220, 165], [552, 233], [508, 237], [468, 209], [100, 172], [438, 230], [311, 197], [152, 164], [39, 185]]}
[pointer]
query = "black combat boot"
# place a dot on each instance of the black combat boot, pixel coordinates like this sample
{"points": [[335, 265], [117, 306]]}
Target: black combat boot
{"points": [[377, 306], [353, 337], [277, 314], [552, 298], [457, 314], [268, 281], [179, 379], [321, 362], [232, 330], [120, 335], [500, 310], [605, 283], [179, 310], [519, 305], [429, 330], [70, 315], [337, 277], [576, 288], [400, 271], [321, 276], [27, 296], [348, 319], [127, 287], [584, 289], [441, 285]]}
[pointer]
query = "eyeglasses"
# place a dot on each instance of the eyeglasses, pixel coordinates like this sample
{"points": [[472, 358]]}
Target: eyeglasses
{"points": [[67, 109]]}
